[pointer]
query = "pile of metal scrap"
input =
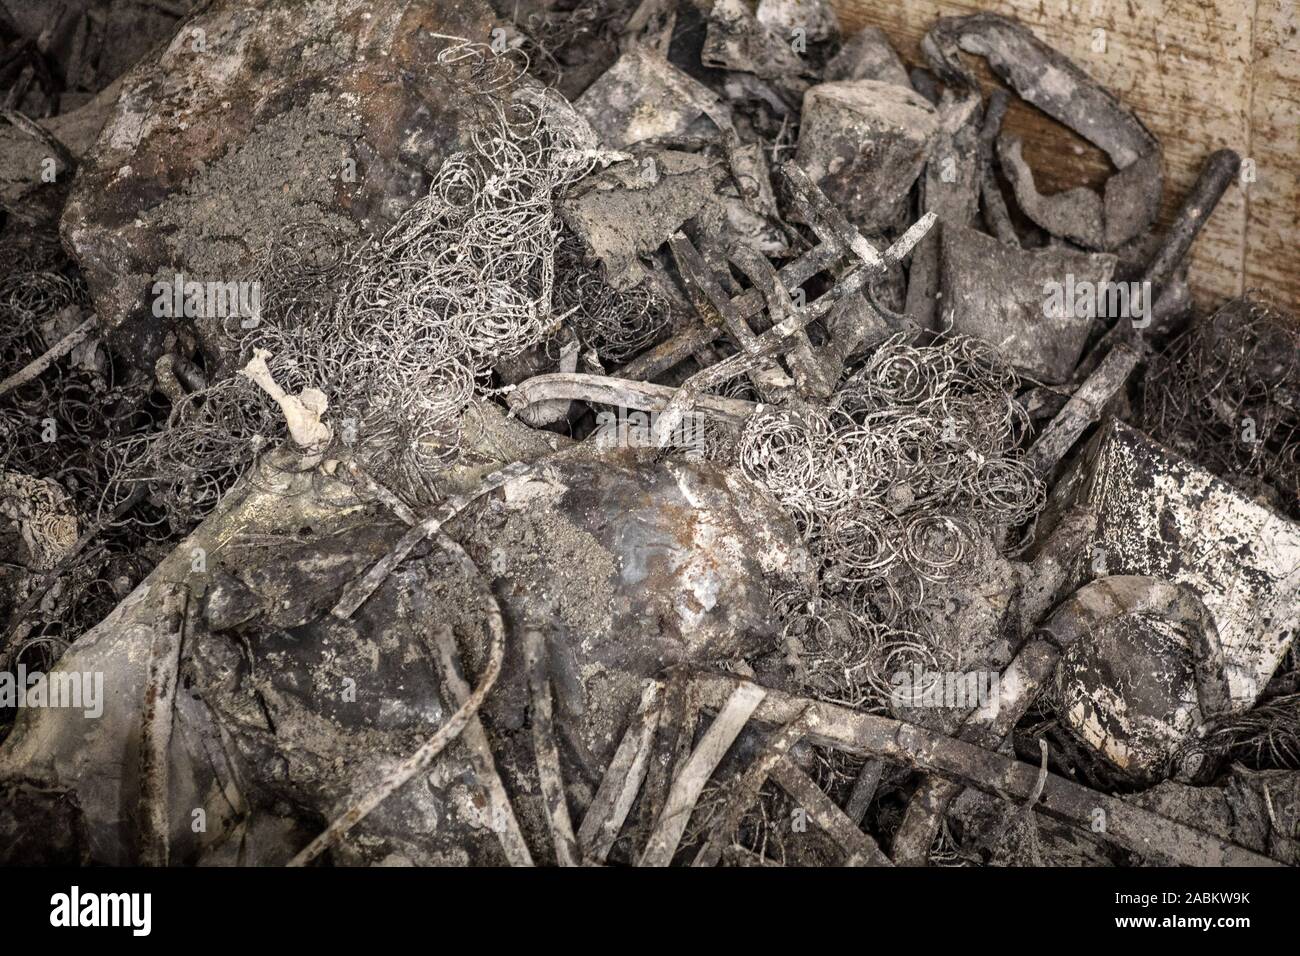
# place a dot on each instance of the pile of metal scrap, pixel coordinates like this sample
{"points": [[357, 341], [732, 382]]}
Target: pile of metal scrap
{"points": [[630, 433]]}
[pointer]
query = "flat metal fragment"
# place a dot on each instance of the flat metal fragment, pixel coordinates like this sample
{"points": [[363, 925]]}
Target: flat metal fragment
{"points": [[867, 55], [1161, 515], [631, 208], [644, 97], [1002, 294], [864, 142]]}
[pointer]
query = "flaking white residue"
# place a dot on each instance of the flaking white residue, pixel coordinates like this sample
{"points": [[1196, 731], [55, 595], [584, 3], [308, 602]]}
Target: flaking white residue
{"points": [[1085, 721]]}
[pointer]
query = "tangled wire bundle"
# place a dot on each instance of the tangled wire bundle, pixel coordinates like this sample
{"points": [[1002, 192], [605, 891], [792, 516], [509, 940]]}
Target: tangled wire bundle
{"points": [[895, 486], [617, 324], [1264, 738], [56, 432], [1227, 393], [398, 332]]}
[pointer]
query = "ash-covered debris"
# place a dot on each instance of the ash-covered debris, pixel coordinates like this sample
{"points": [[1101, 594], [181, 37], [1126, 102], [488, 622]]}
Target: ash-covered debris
{"points": [[632, 433], [868, 55], [255, 115], [1234, 549], [864, 142], [631, 209], [643, 97], [1227, 395]]}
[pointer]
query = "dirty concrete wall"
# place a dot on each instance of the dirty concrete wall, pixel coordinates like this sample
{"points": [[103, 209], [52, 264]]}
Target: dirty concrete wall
{"points": [[1202, 74]]}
